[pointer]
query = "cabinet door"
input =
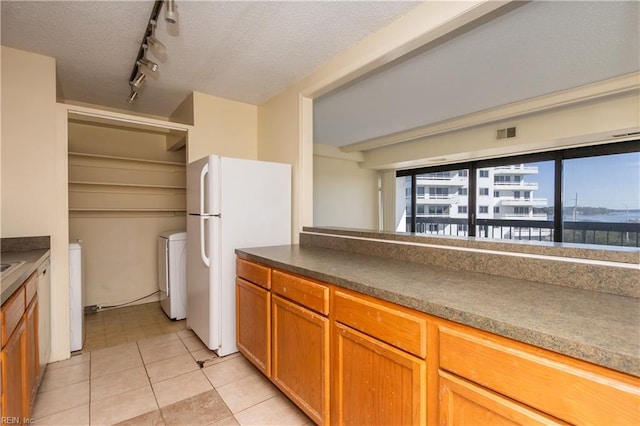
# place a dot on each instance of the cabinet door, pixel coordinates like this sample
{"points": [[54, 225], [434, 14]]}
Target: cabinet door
{"points": [[464, 403], [13, 403], [375, 383], [301, 357], [32, 364], [253, 317]]}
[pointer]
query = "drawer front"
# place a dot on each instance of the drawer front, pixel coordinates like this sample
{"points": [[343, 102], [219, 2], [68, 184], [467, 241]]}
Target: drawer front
{"points": [[565, 388], [307, 293], [12, 312], [389, 323], [31, 287], [257, 274]]}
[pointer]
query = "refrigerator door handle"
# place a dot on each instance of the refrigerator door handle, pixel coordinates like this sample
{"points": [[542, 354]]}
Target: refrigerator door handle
{"points": [[203, 254], [203, 174]]}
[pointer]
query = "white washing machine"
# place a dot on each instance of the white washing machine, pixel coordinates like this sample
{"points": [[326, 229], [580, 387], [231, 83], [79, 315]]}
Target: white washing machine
{"points": [[76, 295], [172, 273]]}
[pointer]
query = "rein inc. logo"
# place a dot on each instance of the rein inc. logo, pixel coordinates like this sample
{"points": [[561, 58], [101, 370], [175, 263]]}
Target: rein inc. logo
{"points": [[16, 420]]}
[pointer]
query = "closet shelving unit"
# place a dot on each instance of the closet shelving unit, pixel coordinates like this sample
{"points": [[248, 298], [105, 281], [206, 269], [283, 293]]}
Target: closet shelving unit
{"points": [[103, 183]]}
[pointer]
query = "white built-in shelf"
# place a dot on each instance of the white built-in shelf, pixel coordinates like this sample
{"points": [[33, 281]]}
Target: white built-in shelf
{"points": [[130, 159], [104, 183]]}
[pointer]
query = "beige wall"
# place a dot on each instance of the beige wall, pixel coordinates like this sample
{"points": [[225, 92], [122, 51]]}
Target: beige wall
{"points": [[344, 194], [34, 173], [221, 127], [557, 128]]}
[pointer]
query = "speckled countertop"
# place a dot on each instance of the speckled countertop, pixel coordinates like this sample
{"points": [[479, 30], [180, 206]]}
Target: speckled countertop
{"points": [[596, 327], [31, 258]]}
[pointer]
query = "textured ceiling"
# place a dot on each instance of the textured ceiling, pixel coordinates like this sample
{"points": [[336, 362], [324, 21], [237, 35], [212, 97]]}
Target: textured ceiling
{"points": [[245, 51], [536, 49]]}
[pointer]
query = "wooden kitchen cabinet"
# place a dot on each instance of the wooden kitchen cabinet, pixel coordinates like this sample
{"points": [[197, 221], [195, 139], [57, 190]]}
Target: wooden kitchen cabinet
{"points": [[378, 363], [253, 328], [563, 388], [32, 363], [300, 336], [20, 350], [375, 383], [14, 403], [464, 403]]}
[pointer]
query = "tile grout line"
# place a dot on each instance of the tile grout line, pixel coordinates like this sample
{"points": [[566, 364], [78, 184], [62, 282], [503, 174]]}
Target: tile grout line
{"points": [[155, 397]]}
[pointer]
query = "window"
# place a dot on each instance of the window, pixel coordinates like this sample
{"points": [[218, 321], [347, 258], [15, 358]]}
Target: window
{"points": [[521, 211], [420, 190], [438, 192], [602, 199], [598, 186], [420, 210], [439, 210]]}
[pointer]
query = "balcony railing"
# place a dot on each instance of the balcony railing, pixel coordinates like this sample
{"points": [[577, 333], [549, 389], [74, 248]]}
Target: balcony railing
{"points": [[599, 233], [437, 199], [530, 186], [515, 169], [511, 201]]}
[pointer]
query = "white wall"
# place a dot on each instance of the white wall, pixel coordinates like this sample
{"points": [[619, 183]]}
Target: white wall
{"points": [[34, 173]]}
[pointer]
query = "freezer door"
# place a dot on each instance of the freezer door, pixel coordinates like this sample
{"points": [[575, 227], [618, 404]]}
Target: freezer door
{"points": [[203, 182]]}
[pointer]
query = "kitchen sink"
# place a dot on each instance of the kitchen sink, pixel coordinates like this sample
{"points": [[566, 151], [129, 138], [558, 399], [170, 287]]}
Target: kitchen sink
{"points": [[8, 267]]}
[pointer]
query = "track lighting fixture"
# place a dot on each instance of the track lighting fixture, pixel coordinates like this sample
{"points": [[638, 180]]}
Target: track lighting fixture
{"points": [[170, 12], [143, 65], [132, 96], [138, 81], [156, 47], [149, 41], [144, 62]]}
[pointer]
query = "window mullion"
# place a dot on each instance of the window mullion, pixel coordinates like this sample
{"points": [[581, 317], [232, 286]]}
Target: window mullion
{"points": [[557, 202], [471, 215]]}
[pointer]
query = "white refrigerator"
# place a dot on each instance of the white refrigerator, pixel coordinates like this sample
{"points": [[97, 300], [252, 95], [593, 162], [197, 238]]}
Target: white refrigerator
{"points": [[231, 203]]}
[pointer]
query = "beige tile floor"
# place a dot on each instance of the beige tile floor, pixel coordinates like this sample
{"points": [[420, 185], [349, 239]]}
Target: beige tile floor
{"points": [[128, 375]]}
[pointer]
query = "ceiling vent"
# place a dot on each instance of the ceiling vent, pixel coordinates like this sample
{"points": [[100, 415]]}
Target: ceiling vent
{"points": [[509, 132]]}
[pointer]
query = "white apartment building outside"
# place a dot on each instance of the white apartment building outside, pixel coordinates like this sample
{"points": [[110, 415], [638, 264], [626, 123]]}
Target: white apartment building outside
{"points": [[504, 193]]}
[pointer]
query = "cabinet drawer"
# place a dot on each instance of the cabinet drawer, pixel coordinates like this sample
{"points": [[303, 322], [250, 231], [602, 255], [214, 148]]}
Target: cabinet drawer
{"points": [[257, 274], [12, 312], [391, 324], [568, 389], [31, 287], [308, 293]]}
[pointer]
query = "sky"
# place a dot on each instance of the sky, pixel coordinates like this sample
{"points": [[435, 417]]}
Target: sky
{"points": [[611, 181]]}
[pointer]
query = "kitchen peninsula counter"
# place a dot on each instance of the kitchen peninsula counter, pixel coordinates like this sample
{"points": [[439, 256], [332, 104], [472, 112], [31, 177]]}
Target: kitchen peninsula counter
{"points": [[597, 327]]}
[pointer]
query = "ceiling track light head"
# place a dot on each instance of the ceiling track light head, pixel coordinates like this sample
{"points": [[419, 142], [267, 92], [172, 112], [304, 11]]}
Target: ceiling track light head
{"points": [[132, 96], [170, 12], [144, 62], [138, 81]]}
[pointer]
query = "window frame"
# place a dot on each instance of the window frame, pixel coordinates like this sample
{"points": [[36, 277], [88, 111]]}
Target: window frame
{"points": [[556, 156]]}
